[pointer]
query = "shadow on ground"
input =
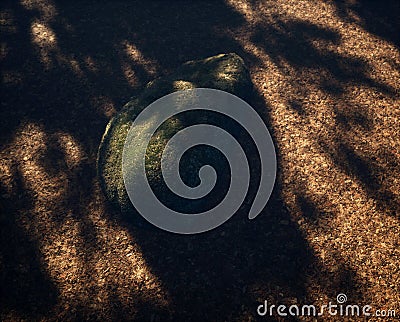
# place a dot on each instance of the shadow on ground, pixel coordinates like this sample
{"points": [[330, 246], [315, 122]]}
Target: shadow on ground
{"points": [[25, 284], [375, 17], [101, 54]]}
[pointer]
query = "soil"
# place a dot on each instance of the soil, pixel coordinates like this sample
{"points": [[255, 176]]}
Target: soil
{"points": [[327, 80]]}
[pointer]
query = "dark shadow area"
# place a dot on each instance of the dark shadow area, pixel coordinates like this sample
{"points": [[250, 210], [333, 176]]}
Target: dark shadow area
{"points": [[62, 99], [298, 107], [215, 275], [372, 176], [349, 117], [379, 18], [307, 207], [292, 43], [343, 278], [26, 287], [218, 274]]}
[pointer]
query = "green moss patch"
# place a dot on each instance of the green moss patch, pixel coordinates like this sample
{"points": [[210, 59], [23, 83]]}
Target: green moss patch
{"points": [[225, 72]]}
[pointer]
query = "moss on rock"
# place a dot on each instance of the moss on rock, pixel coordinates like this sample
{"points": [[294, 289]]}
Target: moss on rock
{"points": [[225, 72]]}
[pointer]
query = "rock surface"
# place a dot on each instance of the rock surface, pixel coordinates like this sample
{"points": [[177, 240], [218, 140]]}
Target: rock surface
{"points": [[225, 72]]}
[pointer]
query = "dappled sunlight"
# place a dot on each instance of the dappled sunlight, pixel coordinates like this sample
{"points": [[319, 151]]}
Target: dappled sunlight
{"points": [[182, 85], [33, 143], [329, 122], [110, 262], [75, 67], [129, 271], [327, 80], [72, 150], [136, 56], [73, 252], [43, 35], [45, 40], [46, 8], [246, 8]]}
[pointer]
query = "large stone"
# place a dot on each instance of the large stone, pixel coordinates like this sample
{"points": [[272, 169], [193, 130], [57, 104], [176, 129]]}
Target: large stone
{"points": [[225, 72]]}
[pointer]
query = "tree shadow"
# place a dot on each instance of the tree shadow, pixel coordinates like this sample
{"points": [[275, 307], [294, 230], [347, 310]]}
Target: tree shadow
{"points": [[356, 116], [216, 275], [368, 172], [302, 46], [227, 272], [26, 287], [294, 42], [58, 96], [377, 18]]}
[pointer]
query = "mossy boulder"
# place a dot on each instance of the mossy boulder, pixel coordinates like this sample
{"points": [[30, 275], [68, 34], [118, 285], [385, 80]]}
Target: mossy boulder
{"points": [[225, 72]]}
